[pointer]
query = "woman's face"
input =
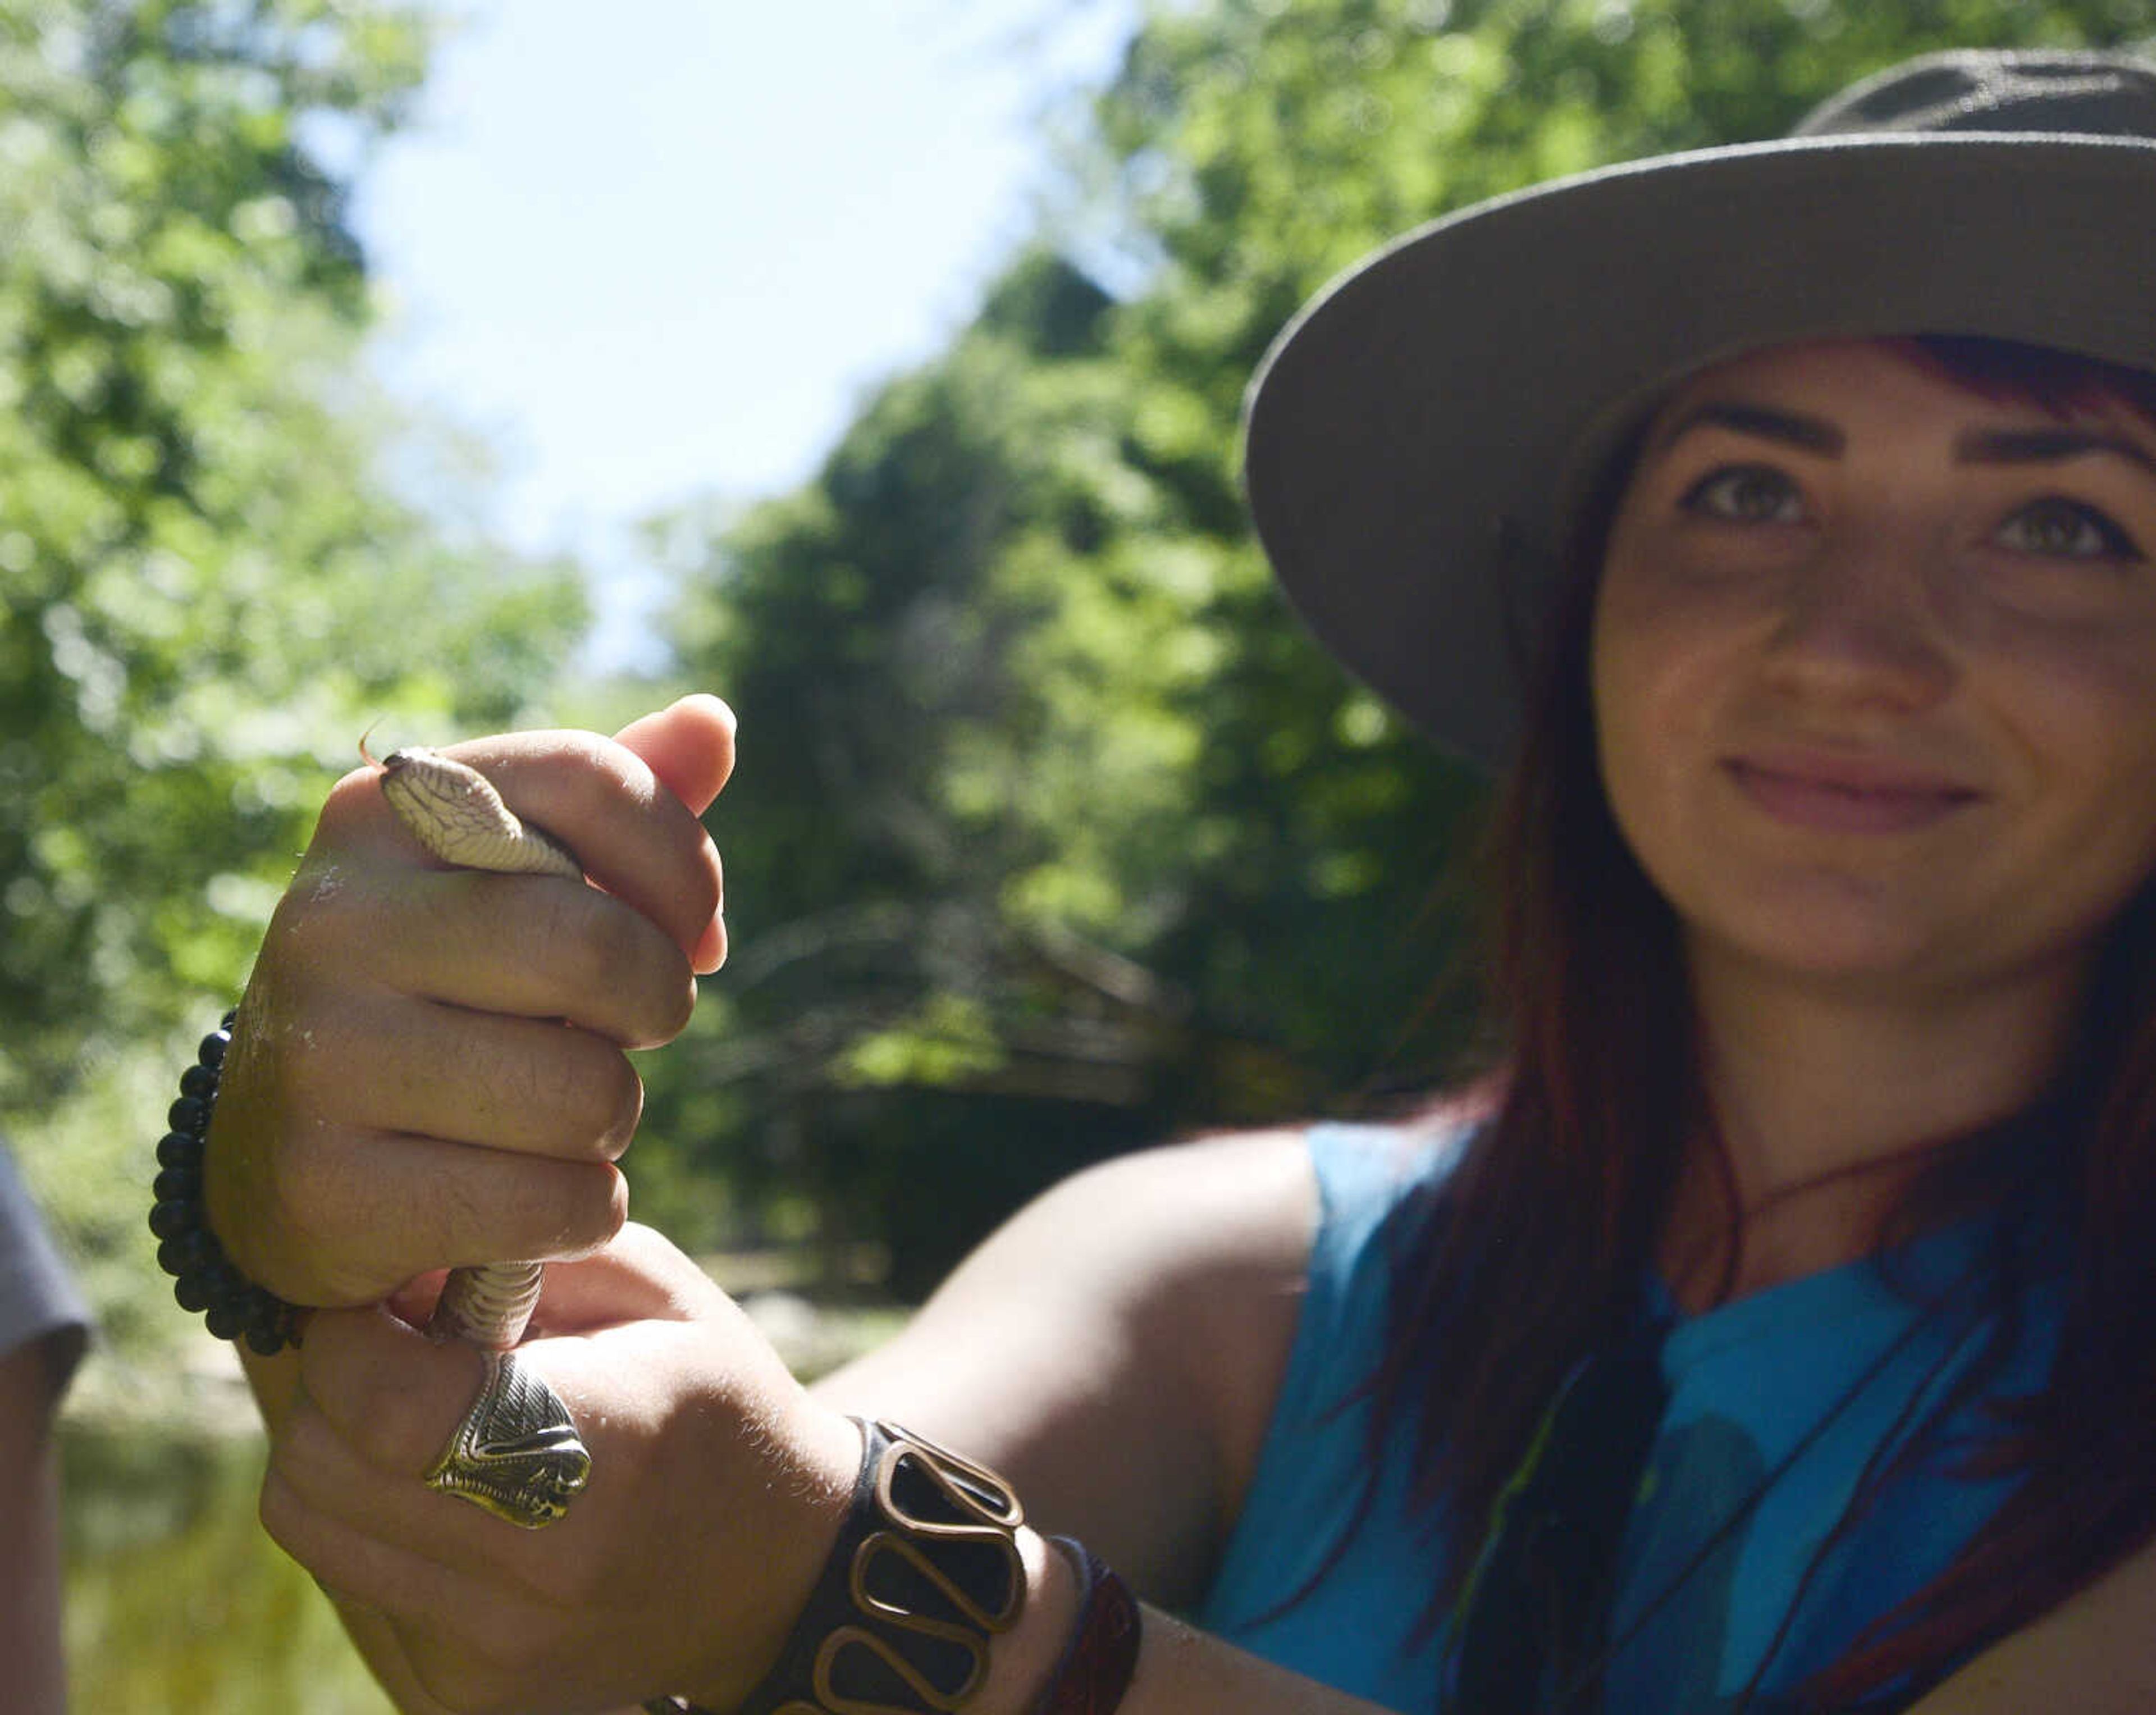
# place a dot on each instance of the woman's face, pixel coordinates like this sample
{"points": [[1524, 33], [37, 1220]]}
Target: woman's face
{"points": [[1874, 672]]}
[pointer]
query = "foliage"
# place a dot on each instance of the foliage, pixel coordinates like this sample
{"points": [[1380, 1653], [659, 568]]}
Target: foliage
{"points": [[208, 584], [1052, 831]]}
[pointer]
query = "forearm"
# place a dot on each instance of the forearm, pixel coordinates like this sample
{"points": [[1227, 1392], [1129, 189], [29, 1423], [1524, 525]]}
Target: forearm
{"points": [[1184, 1671], [1181, 1670]]}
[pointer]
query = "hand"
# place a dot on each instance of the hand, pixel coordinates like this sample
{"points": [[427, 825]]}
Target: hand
{"points": [[429, 1067], [716, 1490]]}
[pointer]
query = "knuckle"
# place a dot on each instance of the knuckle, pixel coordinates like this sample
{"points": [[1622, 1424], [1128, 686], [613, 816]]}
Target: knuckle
{"points": [[625, 1112], [597, 1093], [613, 951], [660, 1010], [585, 1207], [598, 1210], [565, 1091], [678, 1004]]}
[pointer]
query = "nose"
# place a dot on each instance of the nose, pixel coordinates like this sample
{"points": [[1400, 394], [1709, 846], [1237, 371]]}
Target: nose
{"points": [[1858, 625]]}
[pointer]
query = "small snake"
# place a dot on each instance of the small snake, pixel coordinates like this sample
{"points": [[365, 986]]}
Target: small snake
{"points": [[455, 813]]}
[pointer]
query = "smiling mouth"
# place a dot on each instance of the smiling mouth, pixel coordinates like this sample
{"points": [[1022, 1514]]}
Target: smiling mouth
{"points": [[1835, 800]]}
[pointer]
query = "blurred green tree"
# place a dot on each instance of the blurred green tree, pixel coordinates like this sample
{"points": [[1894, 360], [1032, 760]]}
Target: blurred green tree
{"points": [[1052, 830], [210, 585]]}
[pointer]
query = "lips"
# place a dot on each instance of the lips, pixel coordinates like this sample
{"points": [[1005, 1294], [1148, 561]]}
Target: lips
{"points": [[1847, 794]]}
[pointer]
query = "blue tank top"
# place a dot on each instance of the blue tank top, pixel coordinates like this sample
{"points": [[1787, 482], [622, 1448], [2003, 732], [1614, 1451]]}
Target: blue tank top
{"points": [[1779, 1402]]}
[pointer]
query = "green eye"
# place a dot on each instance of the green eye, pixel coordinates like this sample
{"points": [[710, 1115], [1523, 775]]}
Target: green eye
{"points": [[2066, 529], [1746, 494]]}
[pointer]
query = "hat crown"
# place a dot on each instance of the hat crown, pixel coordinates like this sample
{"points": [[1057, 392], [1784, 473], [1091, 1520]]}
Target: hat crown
{"points": [[1976, 90]]}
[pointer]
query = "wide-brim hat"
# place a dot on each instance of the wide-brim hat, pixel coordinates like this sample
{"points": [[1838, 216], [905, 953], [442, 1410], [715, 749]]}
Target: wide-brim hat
{"points": [[1415, 436]]}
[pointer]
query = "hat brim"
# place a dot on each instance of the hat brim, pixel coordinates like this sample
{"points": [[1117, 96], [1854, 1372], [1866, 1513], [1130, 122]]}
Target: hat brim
{"points": [[1409, 434]]}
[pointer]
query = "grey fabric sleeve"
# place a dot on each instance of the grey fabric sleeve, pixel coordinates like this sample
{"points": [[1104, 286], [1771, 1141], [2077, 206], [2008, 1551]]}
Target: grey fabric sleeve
{"points": [[39, 1301]]}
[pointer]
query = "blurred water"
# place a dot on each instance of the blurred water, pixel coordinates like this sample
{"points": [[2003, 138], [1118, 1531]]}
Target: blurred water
{"points": [[177, 1603]]}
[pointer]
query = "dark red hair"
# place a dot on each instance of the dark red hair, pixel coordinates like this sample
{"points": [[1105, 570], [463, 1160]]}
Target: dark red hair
{"points": [[1533, 1253]]}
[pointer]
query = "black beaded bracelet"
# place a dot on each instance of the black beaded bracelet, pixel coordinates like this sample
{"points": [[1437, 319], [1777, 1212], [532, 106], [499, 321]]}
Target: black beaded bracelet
{"points": [[203, 1277]]}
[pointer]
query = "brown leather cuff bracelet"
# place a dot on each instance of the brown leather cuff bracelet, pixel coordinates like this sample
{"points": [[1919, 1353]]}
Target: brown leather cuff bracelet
{"points": [[925, 1572]]}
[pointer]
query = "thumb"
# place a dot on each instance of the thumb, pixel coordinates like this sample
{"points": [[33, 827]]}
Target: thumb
{"points": [[689, 745]]}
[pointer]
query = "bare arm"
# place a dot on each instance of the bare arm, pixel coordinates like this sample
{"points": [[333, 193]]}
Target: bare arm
{"points": [[1115, 1350], [30, 1525]]}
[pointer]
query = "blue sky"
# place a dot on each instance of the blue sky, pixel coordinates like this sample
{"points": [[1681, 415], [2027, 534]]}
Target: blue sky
{"points": [[657, 248]]}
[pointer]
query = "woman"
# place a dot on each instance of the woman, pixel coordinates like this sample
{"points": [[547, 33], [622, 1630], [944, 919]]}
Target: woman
{"points": [[1772, 1328]]}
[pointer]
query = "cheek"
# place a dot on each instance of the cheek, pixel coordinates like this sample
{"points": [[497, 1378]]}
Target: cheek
{"points": [[2089, 719], [1664, 617], [2070, 711], [1637, 688], [1613, 691], [1666, 671], [1656, 662], [2081, 700]]}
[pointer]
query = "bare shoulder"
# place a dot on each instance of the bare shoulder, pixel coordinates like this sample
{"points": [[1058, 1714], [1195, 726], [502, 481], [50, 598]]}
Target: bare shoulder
{"points": [[1164, 1251], [1138, 1246], [1244, 1202]]}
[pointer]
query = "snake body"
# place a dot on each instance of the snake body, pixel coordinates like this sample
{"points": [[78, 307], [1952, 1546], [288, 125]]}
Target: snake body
{"points": [[454, 811]]}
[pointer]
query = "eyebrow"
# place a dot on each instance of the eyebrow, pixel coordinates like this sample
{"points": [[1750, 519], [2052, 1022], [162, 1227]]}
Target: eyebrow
{"points": [[1986, 446], [1811, 434], [2047, 446]]}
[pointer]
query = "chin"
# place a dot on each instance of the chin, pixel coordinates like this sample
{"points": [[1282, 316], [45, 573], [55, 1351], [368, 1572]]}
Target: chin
{"points": [[1810, 940], [1867, 970]]}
